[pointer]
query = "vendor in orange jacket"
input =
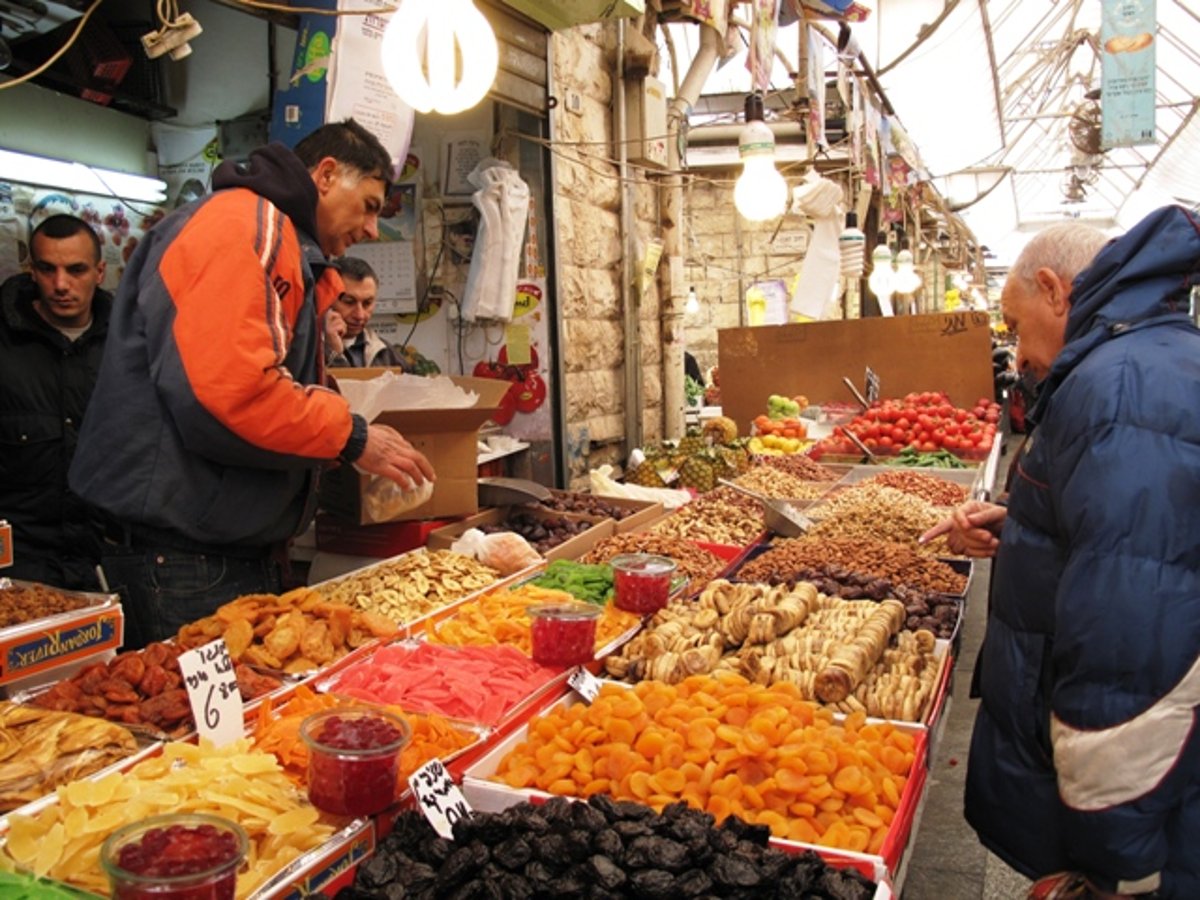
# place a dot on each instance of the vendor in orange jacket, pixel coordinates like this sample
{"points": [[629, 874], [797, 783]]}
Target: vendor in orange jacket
{"points": [[209, 423]]}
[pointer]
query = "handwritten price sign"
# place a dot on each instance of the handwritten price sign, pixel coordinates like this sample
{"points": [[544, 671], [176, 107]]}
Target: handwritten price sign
{"points": [[212, 690], [439, 798]]}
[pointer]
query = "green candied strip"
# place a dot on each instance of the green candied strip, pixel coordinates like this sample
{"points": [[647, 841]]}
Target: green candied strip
{"points": [[589, 582], [15, 886]]}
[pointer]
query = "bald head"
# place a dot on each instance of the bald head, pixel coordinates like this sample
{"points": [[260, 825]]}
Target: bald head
{"points": [[1037, 295]]}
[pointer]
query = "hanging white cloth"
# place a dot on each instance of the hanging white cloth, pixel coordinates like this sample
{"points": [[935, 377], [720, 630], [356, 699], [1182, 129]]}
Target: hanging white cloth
{"points": [[820, 199], [502, 199]]}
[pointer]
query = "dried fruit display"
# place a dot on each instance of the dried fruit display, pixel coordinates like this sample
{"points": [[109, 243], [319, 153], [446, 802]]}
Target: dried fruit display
{"points": [[501, 617], [474, 684], [728, 747], [276, 730], [799, 466], [543, 532], [832, 650], [20, 603], [695, 562], [588, 505], [295, 632], [780, 485], [141, 688], [411, 586], [605, 847], [245, 786], [41, 749], [938, 613], [899, 563]]}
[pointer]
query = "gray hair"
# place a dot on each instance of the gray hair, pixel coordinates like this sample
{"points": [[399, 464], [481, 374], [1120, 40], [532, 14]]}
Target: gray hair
{"points": [[1065, 249]]}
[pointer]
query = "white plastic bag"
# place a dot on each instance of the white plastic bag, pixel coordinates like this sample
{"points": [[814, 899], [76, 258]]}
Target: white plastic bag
{"points": [[503, 203], [604, 485], [505, 551], [385, 500]]}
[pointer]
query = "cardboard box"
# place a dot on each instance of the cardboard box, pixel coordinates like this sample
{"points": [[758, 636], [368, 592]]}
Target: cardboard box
{"points": [[54, 647], [573, 548], [944, 351], [447, 437]]}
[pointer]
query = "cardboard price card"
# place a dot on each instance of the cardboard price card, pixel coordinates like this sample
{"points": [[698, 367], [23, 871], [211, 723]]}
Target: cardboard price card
{"points": [[439, 798], [585, 684], [212, 689]]}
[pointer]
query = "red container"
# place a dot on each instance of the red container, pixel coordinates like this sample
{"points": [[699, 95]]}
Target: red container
{"points": [[175, 857], [642, 582], [563, 634], [353, 759]]}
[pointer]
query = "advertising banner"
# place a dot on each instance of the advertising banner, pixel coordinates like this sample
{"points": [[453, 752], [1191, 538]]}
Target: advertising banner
{"points": [[1127, 45]]}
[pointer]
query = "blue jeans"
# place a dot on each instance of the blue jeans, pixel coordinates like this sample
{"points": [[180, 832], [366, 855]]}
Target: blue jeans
{"points": [[162, 590]]}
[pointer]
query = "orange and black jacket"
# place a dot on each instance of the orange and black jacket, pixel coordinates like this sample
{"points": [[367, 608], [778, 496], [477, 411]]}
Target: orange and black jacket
{"points": [[208, 419]]}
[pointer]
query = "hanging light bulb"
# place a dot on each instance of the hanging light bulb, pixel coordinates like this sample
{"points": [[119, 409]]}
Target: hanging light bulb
{"points": [[439, 55], [760, 192], [692, 306], [906, 280], [880, 281]]}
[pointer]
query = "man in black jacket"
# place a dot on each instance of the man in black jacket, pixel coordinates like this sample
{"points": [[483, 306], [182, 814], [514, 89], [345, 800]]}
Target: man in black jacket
{"points": [[52, 327]]}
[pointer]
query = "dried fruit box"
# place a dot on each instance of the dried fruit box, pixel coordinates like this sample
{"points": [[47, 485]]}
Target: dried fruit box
{"points": [[55, 646], [486, 795], [572, 548]]}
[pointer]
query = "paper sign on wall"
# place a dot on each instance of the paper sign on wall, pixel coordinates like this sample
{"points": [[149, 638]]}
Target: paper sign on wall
{"points": [[212, 690]]}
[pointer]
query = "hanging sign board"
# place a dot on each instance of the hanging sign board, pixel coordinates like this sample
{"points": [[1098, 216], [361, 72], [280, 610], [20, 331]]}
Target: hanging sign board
{"points": [[1128, 59]]}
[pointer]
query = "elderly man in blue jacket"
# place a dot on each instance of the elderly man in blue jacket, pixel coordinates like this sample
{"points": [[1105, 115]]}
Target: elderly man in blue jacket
{"points": [[1085, 758]]}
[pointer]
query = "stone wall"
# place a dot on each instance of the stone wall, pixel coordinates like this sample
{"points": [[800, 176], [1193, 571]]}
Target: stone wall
{"points": [[591, 260]]}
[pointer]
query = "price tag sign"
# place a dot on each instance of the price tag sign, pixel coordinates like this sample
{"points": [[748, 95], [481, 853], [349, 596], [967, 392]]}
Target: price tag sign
{"points": [[439, 798], [212, 690], [872, 391], [585, 684]]}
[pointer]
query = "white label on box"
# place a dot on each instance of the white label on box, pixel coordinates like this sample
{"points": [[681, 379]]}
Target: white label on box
{"points": [[212, 690], [585, 684], [439, 797]]}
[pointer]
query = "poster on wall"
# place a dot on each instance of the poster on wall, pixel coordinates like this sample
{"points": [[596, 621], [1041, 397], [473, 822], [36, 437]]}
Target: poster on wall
{"points": [[119, 224], [299, 107], [357, 86], [186, 159]]}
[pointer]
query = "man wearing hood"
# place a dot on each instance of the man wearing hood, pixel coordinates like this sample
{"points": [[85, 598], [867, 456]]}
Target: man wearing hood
{"points": [[209, 422], [1084, 768]]}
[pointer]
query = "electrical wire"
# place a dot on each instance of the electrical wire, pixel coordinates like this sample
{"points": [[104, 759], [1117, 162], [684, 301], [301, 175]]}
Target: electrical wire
{"points": [[57, 55]]}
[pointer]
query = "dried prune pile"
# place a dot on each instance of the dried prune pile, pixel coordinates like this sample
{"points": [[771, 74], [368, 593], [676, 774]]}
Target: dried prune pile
{"points": [[936, 612], [588, 504], [602, 848]]}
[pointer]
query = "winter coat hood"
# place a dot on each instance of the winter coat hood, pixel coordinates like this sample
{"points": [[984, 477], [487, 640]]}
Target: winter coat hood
{"points": [[276, 173]]}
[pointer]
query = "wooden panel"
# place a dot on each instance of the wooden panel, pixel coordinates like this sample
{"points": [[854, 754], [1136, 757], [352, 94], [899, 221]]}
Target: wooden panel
{"points": [[523, 77], [946, 351]]}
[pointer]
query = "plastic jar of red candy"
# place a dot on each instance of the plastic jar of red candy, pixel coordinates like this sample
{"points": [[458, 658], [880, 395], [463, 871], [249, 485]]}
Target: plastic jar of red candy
{"points": [[642, 582], [185, 856], [353, 759], [563, 634]]}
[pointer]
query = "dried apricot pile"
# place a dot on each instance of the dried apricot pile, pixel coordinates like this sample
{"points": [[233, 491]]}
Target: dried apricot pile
{"points": [[501, 617], [729, 747]]}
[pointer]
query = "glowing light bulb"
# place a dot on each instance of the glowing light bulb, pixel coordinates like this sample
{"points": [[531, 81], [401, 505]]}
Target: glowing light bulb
{"points": [[439, 55], [880, 281], [906, 280], [692, 306], [761, 192]]}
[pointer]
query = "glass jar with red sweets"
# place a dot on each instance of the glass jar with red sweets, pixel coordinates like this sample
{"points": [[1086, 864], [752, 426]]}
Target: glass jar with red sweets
{"points": [[642, 582], [184, 856], [563, 634], [353, 759]]}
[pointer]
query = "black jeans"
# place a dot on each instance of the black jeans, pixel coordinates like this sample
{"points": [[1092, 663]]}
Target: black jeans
{"points": [[164, 589]]}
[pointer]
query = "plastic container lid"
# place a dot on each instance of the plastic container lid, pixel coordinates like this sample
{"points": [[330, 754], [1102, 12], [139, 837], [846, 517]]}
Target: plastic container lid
{"points": [[643, 564]]}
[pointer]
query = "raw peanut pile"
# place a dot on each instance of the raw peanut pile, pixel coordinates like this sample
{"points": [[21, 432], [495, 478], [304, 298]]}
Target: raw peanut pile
{"points": [[898, 563], [778, 484], [801, 466], [877, 513], [696, 563], [936, 490]]}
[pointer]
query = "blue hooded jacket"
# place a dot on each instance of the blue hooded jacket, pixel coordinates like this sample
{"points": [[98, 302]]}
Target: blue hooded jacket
{"points": [[1086, 751]]}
